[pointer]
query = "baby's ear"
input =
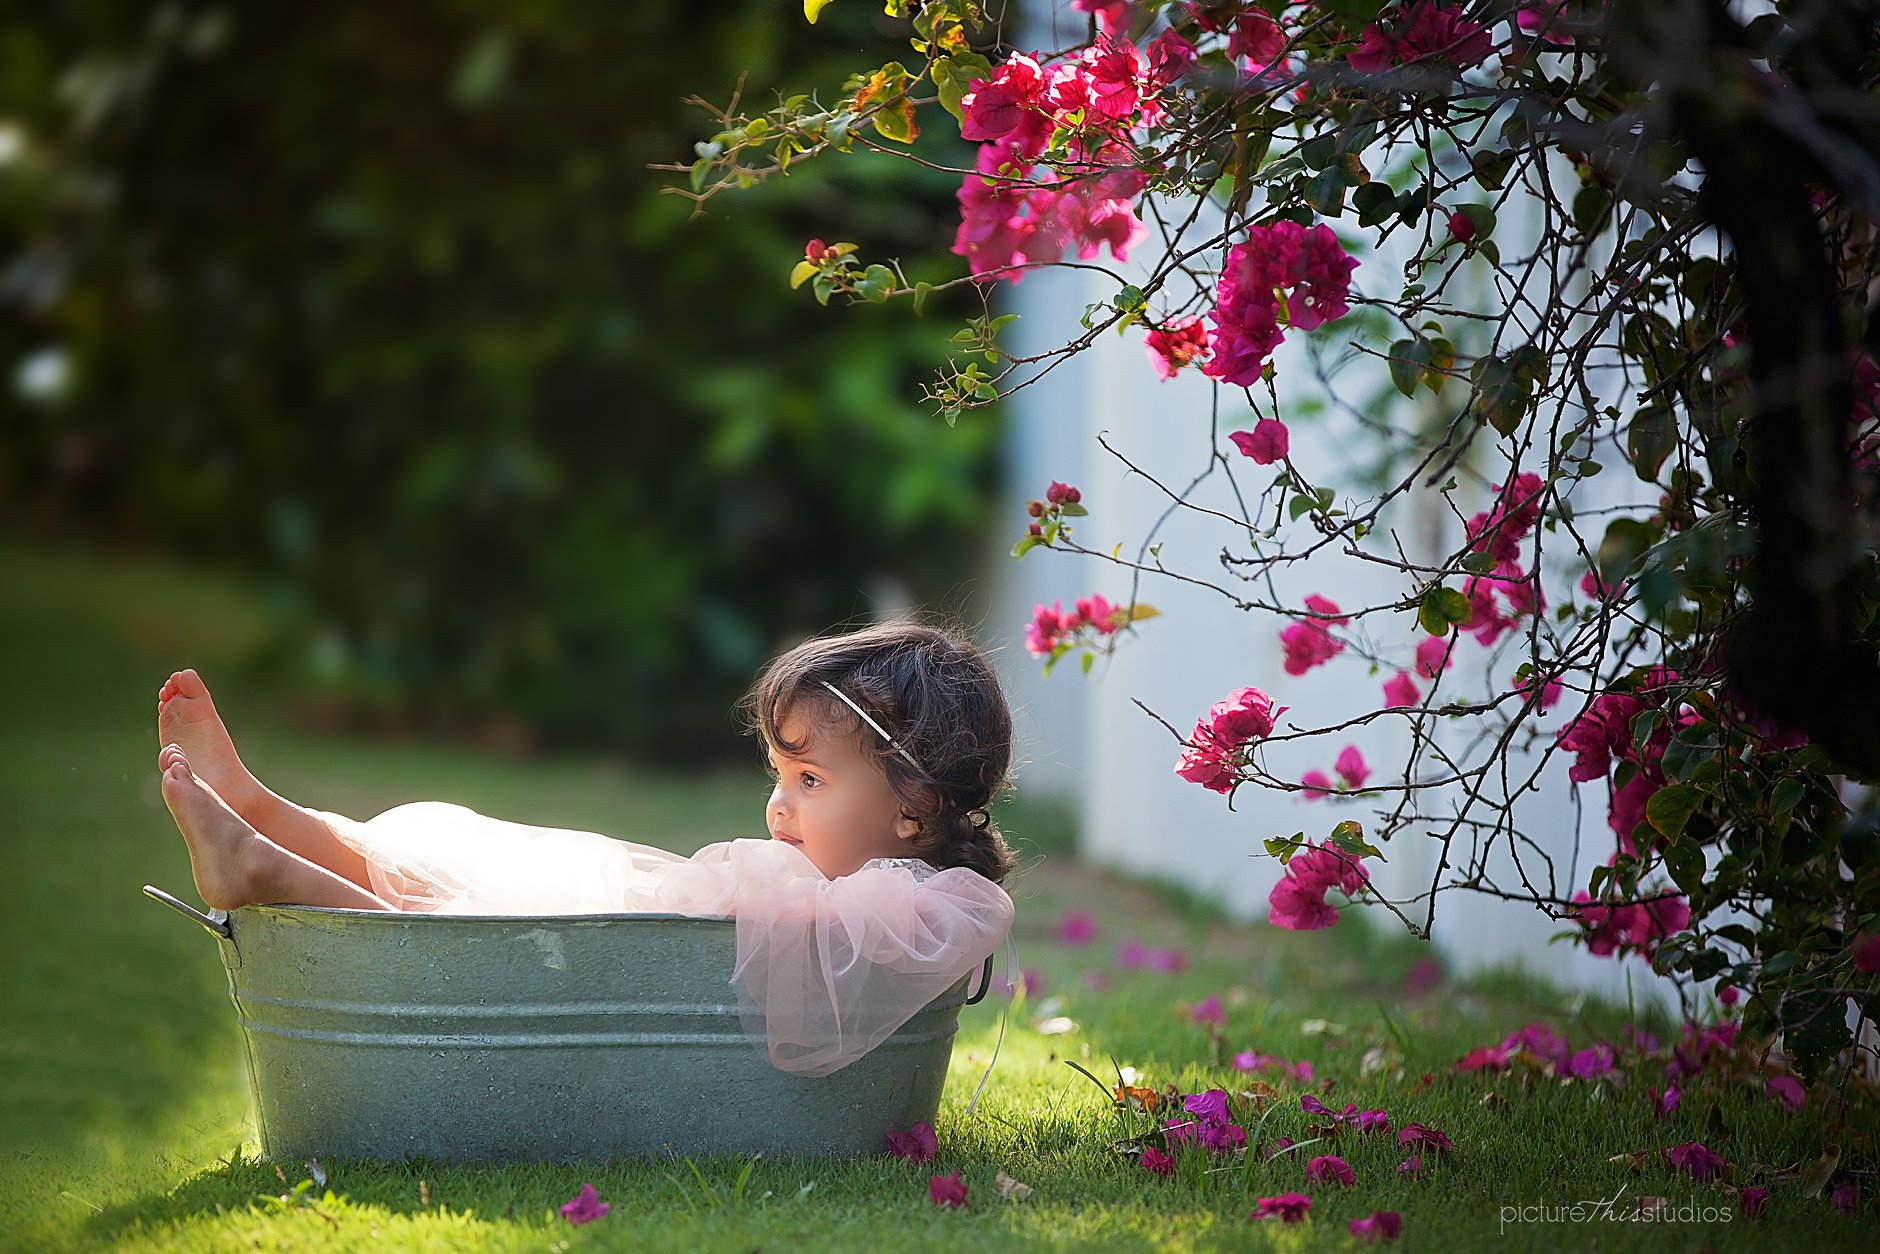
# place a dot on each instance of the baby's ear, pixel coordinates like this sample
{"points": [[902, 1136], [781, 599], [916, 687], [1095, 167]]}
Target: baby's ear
{"points": [[907, 826]]}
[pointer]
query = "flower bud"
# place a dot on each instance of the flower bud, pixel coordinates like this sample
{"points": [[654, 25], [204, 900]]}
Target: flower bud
{"points": [[1036, 530], [1461, 227], [1035, 508], [814, 250]]}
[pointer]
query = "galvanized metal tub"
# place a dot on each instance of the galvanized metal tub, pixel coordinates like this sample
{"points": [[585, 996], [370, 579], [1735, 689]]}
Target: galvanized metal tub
{"points": [[502, 1037]]}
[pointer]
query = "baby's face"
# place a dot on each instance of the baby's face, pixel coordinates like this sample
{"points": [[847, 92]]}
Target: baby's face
{"points": [[832, 802]]}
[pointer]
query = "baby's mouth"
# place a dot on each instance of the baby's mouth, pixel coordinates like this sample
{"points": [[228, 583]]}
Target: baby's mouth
{"points": [[788, 840]]}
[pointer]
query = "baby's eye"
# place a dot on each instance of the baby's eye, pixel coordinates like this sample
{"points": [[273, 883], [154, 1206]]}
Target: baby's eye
{"points": [[810, 781]]}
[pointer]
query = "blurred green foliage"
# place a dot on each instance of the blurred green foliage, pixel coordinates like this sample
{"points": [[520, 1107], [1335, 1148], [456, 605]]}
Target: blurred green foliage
{"points": [[382, 303]]}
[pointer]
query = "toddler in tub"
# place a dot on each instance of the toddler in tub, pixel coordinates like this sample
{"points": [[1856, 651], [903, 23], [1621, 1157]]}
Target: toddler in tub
{"points": [[877, 888]]}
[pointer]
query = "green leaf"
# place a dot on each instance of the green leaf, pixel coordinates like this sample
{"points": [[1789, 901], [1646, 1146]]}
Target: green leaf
{"points": [[953, 77], [875, 284], [1442, 608], [1649, 439], [896, 121], [1788, 792], [1375, 202], [1590, 207], [803, 273], [1685, 860], [1625, 541], [1025, 545], [920, 296], [1408, 360], [1490, 168], [1671, 807], [1089, 657], [1349, 837], [1300, 504], [812, 9], [1129, 299]]}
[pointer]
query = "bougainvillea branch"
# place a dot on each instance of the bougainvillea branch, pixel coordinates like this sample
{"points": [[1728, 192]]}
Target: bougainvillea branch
{"points": [[1631, 239]]}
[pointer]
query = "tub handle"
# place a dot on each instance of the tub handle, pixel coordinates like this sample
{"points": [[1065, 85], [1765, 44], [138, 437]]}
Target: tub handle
{"points": [[985, 982], [216, 922]]}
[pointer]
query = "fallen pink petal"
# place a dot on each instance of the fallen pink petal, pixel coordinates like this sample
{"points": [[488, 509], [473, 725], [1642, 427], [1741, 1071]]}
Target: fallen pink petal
{"points": [[1845, 1197], [585, 1206], [1076, 927], [1421, 1138], [1755, 1201], [1155, 1161], [1696, 1160], [1329, 1169], [1788, 1090], [1379, 1225], [1287, 1207], [917, 1145], [947, 1190]]}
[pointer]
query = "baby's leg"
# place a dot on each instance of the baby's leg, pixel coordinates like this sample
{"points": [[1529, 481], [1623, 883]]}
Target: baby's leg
{"points": [[234, 865], [187, 718]]}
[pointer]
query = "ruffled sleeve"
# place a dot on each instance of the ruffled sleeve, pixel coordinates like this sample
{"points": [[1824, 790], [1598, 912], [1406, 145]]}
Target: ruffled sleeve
{"points": [[833, 967]]}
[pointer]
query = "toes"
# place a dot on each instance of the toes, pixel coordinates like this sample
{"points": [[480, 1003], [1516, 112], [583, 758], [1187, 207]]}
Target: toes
{"points": [[190, 684]]}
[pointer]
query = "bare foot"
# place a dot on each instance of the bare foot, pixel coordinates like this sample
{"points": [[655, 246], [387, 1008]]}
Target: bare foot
{"points": [[186, 718], [224, 850]]}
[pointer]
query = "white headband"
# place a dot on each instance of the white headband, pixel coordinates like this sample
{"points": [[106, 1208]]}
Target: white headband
{"points": [[872, 723]]}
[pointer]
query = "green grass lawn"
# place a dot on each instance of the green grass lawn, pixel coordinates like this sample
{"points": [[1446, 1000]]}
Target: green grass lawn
{"points": [[124, 1116]]}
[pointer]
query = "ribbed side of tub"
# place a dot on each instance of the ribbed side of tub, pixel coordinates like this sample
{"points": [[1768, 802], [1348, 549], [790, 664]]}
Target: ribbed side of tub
{"points": [[381, 1036]]}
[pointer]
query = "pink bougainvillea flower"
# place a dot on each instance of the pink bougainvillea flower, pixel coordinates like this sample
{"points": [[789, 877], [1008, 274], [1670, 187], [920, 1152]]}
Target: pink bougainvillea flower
{"points": [[1170, 56], [1351, 767], [1076, 927], [1115, 15], [1787, 1090], [1428, 31], [1167, 961], [1242, 715], [1287, 1207], [1639, 1039], [1727, 995], [1412, 1167], [1306, 263], [1268, 442], [1046, 628], [1484, 1058], [1551, 690], [1695, 1160], [1156, 1161], [1421, 1138], [1461, 227], [917, 1145], [1590, 1063], [1379, 1225], [1373, 1121], [1845, 1197], [1755, 1201], [1666, 1102], [584, 1207], [1498, 531], [1315, 784], [1434, 652], [1309, 643], [1207, 760], [947, 1190], [1539, 1040], [1208, 1011], [1297, 901], [1329, 1169], [1176, 343], [1400, 690], [1867, 953], [1132, 955]]}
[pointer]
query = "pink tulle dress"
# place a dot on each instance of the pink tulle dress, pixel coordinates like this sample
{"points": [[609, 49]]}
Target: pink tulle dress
{"points": [[832, 966]]}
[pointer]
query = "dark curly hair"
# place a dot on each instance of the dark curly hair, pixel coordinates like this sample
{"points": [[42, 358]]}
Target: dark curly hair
{"points": [[937, 695]]}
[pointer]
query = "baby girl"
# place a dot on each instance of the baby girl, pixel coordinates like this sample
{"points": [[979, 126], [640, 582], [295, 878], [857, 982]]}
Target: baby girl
{"points": [[877, 889]]}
